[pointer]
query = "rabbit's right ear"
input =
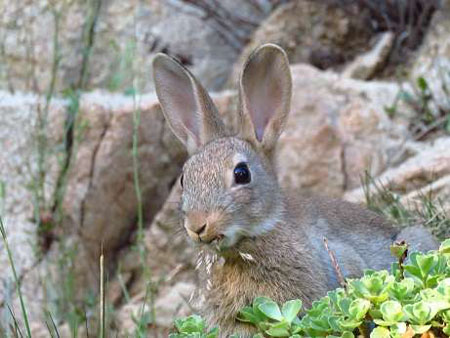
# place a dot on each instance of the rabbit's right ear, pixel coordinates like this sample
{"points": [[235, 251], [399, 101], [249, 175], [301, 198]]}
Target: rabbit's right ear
{"points": [[265, 93], [187, 107]]}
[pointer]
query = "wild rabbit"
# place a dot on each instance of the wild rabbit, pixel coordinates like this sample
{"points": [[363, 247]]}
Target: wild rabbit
{"points": [[255, 240]]}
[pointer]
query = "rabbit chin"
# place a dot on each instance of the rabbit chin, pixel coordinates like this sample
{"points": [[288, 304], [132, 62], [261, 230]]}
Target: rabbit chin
{"points": [[236, 232]]}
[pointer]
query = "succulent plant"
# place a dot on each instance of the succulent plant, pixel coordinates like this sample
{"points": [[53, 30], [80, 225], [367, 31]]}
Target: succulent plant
{"points": [[413, 298]]}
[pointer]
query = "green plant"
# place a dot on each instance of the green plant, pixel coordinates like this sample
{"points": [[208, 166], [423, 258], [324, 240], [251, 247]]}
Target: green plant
{"points": [[428, 211], [266, 315], [193, 326], [16, 279], [414, 297], [427, 118]]}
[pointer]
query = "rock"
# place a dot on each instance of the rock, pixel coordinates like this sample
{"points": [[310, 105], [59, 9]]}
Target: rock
{"points": [[432, 61], [100, 204], [366, 65], [337, 128], [171, 301], [20, 180], [425, 174], [125, 37], [430, 164], [174, 303], [310, 32], [170, 258]]}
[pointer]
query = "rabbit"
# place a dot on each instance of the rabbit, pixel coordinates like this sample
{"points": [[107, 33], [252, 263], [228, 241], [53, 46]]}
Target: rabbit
{"points": [[254, 238]]}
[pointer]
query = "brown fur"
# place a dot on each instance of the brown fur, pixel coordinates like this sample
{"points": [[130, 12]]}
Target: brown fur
{"points": [[253, 239]]}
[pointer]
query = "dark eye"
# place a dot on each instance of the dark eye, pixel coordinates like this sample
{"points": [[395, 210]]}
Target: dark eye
{"points": [[181, 180], [242, 174]]}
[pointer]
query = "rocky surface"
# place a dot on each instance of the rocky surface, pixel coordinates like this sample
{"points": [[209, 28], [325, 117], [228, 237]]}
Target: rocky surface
{"points": [[428, 171], [125, 35], [433, 58], [100, 201], [338, 127], [367, 64], [19, 178], [310, 32]]}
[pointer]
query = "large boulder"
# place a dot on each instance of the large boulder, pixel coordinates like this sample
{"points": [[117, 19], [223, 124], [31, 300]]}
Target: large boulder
{"points": [[100, 203], [121, 42], [24, 186], [366, 65], [432, 61], [337, 128], [314, 32], [427, 174], [171, 260]]}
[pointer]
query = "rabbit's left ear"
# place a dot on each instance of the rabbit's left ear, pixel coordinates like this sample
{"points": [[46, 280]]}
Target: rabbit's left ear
{"points": [[265, 92]]}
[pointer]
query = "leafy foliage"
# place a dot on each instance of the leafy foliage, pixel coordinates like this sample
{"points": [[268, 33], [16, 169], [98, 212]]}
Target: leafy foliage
{"points": [[193, 326], [413, 298], [429, 210], [429, 117]]}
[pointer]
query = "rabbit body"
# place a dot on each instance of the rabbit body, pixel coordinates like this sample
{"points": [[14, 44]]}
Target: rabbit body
{"points": [[254, 239]]}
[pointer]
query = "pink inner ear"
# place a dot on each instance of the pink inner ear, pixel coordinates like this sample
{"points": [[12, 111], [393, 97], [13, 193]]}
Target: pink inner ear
{"points": [[183, 106], [263, 101], [188, 107]]}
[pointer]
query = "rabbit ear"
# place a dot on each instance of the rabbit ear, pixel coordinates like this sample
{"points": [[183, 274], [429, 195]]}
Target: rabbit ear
{"points": [[265, 91], [186, 105]]}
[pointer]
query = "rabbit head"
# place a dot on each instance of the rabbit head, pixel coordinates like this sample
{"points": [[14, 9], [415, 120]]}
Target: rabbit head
{"points": [[230, 189]]}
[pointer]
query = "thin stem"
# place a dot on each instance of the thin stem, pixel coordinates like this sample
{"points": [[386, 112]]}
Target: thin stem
{"points": [[102, 296], [16, 279]]}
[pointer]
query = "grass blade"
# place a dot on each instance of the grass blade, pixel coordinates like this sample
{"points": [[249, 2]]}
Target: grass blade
{"points": [[16, 331], [55, 328], [16, 279], [102, 296]]}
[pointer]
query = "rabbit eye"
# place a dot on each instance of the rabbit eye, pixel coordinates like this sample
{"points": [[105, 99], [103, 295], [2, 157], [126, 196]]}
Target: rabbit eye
{"points": [[242, 174], [181, 180]]}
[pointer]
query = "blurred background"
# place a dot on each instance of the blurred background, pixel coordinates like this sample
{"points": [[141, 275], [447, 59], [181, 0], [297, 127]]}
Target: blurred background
{"points": [[88, 164]]}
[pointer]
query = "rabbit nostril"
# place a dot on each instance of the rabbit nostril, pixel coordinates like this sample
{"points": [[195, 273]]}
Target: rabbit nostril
{"points": [[201, 229]]}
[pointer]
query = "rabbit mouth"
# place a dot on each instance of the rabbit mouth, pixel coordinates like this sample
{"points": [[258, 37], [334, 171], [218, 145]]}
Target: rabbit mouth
{"points": [[215, 240]]}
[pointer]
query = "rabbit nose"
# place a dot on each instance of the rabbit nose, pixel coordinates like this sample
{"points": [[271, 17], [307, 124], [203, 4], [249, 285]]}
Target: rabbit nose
{"points": [[196, 222], [200, 229]]}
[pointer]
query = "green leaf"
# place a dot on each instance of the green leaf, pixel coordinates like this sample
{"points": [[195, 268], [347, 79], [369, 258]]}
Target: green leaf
{"points": [[401, 290], [446, 329], [349, 324], [391, 311], [256, 303], [347, 334], [422, 84], [246, 315], [419, 329], [214, 333], [445, 246], [358, 308], [380, 332], [420, 313], [278, 332], [426, 263], [399, 328], [271, 310], [344, 305], [398, 250], [291, 309]]}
